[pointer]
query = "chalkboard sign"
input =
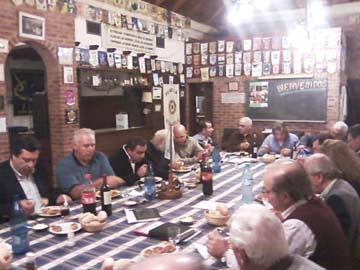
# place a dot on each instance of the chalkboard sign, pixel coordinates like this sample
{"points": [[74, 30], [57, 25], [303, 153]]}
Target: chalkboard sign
{"points": [[301, 100]]}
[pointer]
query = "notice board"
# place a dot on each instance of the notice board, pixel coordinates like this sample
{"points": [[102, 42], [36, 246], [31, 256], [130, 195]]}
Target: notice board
{"points": [[302, 100]]}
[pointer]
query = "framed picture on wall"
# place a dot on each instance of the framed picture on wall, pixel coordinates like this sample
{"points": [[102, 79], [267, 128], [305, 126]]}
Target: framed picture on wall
{"points": [[68, 75], [31, 26], [233, 86]]}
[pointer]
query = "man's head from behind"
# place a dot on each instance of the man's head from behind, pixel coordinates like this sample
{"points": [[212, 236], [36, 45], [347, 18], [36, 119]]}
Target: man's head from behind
{"points": [[339, 130], [245, 125], [354, 137], [136, 149], [319, 140], [206, 128], [321, 170], [286, 183], [159, 140], [24, 154], [180, 134], [280, 131], [257, 237], [84, 144]]}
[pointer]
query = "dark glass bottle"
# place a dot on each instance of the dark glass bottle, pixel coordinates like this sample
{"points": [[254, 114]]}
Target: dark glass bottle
{"points": [[106, 199], [88, 195], [254, 147], [206, 178]]}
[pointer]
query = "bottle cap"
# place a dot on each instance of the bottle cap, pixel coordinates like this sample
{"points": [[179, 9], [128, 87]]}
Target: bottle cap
{"points": [[30, 257]]}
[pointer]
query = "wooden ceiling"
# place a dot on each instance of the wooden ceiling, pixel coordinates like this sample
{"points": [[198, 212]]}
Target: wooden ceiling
{"points": [[213, 12]]}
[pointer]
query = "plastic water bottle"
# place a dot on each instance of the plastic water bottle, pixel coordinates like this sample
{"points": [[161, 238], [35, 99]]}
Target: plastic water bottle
{"points": [[247, 185], [149, 184], [216, 159], [19, 231]]}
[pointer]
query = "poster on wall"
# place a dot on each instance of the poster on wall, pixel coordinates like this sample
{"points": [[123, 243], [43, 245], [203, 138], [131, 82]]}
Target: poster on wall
{"points": [[24, 84], [259, 92], [31, 26]]}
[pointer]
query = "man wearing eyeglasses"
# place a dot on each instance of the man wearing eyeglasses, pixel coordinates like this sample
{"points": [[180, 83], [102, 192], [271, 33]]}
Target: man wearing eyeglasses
{"points": [[241, 139], [20, 175]]}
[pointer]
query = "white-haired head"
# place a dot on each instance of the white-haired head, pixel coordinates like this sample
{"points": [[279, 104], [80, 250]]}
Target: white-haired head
{"points": [[258, 232], [339, 130], [78, 134], [245, 125], [159, 139]]}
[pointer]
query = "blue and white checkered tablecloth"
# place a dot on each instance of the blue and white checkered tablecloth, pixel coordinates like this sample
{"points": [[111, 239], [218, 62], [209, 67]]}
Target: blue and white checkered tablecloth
{"points": [[117, 239]]}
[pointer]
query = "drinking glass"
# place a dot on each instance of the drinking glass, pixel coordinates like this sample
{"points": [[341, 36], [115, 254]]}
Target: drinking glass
{"points": [[174, 234]]}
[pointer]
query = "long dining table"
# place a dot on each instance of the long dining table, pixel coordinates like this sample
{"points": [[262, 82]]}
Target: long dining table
{"points": [[117, 240]]}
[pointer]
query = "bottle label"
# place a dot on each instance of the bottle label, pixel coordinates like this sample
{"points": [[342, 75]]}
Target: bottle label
{"points": [[88, 198], [255, 149], [107, 197], [206, 176]]}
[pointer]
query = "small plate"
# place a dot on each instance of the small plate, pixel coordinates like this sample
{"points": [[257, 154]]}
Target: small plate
{"points": [[64, 228], [49, 211], [157, 179], [130, 203], [114, 193], [40, 227], [162, 248]]}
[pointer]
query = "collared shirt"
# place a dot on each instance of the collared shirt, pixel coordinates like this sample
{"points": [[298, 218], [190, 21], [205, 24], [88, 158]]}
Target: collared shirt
{"points": [[132, 164], [70, 172], [275, 147], [232, 144], [29, 187], [202, 140], [300, 238], [325, 192], [187, 151]]}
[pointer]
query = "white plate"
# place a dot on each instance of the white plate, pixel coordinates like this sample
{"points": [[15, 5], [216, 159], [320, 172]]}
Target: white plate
{"points": [[49, 211], [65, 227], [40, 227], [160, 246], [130, 203], [114, 193], [157, 179]]}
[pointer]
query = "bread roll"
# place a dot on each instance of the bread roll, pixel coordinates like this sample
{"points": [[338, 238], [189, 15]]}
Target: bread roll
{"points": [[102, 216], [89, 217], [223, 209]]}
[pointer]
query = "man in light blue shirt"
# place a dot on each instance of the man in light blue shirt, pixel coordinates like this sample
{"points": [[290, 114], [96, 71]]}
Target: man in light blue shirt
{"points": [[281, 141]]}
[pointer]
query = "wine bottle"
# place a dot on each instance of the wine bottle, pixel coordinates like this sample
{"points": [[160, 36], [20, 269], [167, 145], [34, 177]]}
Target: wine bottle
{"points": [[105, 192]]}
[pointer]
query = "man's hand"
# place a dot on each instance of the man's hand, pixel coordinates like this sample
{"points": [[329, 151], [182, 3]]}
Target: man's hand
{"points": [[114, 181], [141, 172], [286, 152], [27, 207], [244, 146], [61, 199], [217, 245]]}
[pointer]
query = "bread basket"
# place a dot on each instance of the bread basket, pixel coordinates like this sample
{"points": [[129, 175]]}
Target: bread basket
{"points": [[267, 158], [92, 228], [217, 220]]}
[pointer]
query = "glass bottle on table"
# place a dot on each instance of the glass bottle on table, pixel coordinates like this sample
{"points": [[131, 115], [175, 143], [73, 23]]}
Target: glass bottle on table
{"points": [[88, 195], [106, 199], [254, 147], [30, 261], [149, 184], [206, 177], [216, 159], [19, 230], [65, 210]]}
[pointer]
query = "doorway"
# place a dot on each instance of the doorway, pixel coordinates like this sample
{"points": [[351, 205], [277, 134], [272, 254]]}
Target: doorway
{"points": [[200, 101], [27, 103], [353, 92]]}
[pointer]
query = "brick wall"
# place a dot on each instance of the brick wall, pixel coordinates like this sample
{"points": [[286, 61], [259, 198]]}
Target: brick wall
{"points": [[59, 32]]}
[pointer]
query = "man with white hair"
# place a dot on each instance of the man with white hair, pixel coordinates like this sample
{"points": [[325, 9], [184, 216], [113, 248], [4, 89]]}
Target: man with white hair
{"points": [[83, 160], [241, 139], [339, 130], [155, 154], [338, 194], [258, 241]]}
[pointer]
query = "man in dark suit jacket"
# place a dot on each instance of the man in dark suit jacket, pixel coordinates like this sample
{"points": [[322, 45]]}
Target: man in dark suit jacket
{"points": [[338, 194], [129, 163], [21, 176]]}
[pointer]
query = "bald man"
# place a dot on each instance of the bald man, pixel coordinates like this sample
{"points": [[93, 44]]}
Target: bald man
{"points": [[241, 139], [187, 149]]}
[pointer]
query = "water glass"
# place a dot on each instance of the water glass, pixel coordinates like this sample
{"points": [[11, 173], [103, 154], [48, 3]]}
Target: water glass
{"points": [[174, 234]]}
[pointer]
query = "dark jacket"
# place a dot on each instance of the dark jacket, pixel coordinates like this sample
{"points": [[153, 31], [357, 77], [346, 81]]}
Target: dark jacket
{"points": [[10, 186], [159, 162], [122, 167]]}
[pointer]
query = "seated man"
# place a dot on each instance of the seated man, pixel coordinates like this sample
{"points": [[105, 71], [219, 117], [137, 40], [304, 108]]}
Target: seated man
{"points": [[310, 226], [187, 149], [129, 163], [84, 160], [318, 140], [338, 194], [155, 154], [281, 141], [258, 242], [354, 138], [339, 131], [241, 139], [204, 135], [22, 176]]}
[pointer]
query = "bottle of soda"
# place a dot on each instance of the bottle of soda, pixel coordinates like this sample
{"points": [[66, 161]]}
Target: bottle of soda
{"points": [[30, 261], [254, 147], [247, 185], [150, 192], [88, 195], [216, 159], [105, 192], [19, 231], [206, 179]]}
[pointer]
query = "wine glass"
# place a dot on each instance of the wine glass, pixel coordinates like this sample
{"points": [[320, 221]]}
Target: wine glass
{"points": [[65, 210]]}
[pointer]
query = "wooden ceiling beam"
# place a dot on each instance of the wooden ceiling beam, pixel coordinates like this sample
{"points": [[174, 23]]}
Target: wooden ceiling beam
{"points": [[158, 2], [178, 5]]}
